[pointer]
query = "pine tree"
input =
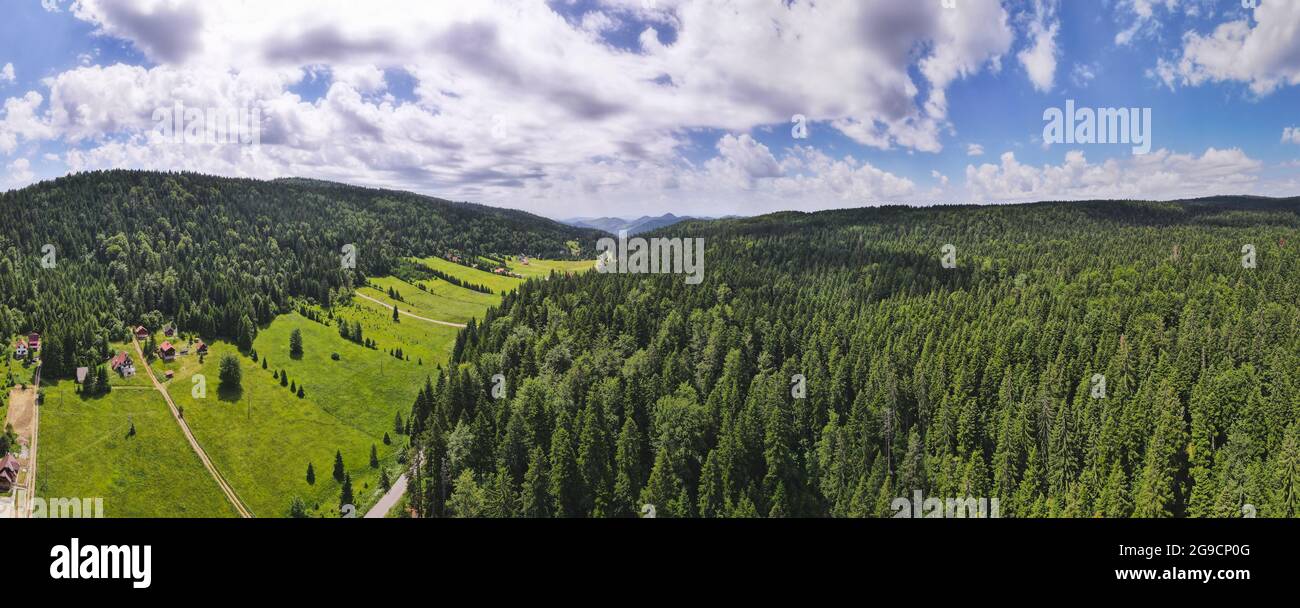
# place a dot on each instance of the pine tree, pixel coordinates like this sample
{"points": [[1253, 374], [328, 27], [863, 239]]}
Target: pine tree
{"points": [[339, 472], [627, 462], [566, 484], [663, 488], [536, 489], [295, 343], [374, 457], [594, 451], [1158, 488], [1286, 475], [345, 494], [311, 475]]}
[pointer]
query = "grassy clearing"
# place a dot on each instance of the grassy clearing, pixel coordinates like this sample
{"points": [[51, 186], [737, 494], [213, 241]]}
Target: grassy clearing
{"points": [[263, 436], [499, 284], [542, 268], [426, 345], [438, 300], [85, 451]]}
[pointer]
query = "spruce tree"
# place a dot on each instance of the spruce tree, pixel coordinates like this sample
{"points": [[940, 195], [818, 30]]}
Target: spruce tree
{"points": [[338, 466]]}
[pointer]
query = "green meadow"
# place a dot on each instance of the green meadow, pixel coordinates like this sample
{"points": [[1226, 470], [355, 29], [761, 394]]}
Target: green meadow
{"points": [[425, 344], [540, 269], [499, 284], [262, 436], [86, 451], [438, 300]]}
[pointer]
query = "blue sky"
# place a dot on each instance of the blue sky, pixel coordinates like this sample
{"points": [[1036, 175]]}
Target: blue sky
{"points": [[619, 107]]}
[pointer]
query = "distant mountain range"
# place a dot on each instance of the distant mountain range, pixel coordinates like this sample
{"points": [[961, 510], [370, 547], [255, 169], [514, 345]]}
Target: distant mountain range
{"points": [[641, 224]]}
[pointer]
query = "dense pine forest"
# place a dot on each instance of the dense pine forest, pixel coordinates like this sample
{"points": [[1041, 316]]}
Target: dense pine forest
{"points": [[1082, 359], [83, 256]]}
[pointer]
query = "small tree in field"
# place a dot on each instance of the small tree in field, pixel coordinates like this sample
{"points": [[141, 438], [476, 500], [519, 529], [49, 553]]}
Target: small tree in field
{"points": [[230, 373], [311, 475], [338, 466], [374, 457], [345, 495], [295, 343]]}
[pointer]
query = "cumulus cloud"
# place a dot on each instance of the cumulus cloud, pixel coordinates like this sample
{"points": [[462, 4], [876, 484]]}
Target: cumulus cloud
{"points": [[7, 74], [511, 97], [1265, 55], [1160, 174], [17, 174], [1291, 135], [1039, 59]]}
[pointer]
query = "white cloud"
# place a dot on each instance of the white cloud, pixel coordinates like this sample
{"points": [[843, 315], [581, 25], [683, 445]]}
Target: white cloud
{"points": [[1265, 55], [1159, 175], [974, 150], [21, 122], [1291, 135], [1084, 73], [7, 74], [1143, 18], [18, 174], [512, 98], [1039, 59]]}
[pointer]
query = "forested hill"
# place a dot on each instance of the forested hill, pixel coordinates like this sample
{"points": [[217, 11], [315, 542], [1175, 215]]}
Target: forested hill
{"points": [[219, 255], [1082, 359]]}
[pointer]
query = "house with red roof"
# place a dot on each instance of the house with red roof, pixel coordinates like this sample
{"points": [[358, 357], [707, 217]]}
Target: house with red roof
{"points": [[33, 341], [123, 365], [9, 468], [167, 351], [20, 348], [142, 332]]}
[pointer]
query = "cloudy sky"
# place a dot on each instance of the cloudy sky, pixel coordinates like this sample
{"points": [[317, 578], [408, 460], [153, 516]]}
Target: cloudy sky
{"points": [[630, 107]]}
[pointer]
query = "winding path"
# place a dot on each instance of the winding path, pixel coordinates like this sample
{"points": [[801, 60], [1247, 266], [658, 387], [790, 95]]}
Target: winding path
{"points": [[194, 443], [383, 303]]}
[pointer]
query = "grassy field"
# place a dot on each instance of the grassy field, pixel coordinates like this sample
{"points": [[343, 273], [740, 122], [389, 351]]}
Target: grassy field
{"points": [[499, 284], [85, 451], [425, 344], [541, 269], [262, 437], [439, 300]]}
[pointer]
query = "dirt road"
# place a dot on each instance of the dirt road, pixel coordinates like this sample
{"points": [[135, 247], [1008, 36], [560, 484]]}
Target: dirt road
{"points": [[185, 428], [389, 499], [383, 303], [25, 416]]}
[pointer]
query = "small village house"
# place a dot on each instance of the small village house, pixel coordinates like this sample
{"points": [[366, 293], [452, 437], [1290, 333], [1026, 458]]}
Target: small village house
{"points": [[33, 342], [20, 348], [9, 468], [167, 351], [123, 365], [141, 332], [201, 348], [169, 331]]}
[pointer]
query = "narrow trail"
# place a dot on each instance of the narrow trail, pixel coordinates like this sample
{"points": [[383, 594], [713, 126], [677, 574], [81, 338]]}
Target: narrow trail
{"points": [[194, 443], [383, 303]]}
